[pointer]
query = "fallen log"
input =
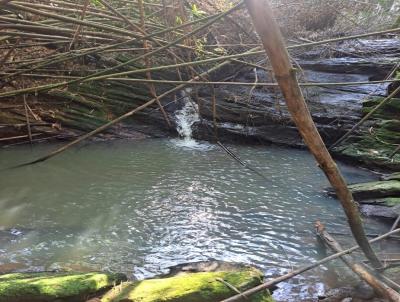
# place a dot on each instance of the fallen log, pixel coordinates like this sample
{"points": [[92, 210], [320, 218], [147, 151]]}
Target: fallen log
{"points": [[381, 288]]}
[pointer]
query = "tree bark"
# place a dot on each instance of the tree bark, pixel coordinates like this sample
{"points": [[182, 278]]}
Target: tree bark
{"points": [[269, 32]]}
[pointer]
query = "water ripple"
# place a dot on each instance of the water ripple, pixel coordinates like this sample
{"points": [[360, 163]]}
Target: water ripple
{"points": [[140, 207]]}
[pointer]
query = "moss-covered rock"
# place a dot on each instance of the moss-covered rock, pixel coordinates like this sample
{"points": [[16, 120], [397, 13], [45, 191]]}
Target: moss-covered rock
{"points": [[375, 189], [190, 287], [374, 144], [372, 192], [43, 287], [387, 202]]}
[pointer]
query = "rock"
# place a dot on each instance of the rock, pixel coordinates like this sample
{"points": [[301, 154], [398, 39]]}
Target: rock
{"points": [[205, 266], [393, 273], [374, 146], [375, 189], [380, 211], [361, 292], [186, 286], [48, 287], [394, 176], [388, 201]]}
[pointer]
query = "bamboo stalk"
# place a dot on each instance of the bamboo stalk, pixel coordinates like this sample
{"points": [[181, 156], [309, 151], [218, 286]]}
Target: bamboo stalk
{"points": [[78, 29], [28, 123], [147, 62], [241, 55], [8, 54], [73, 20], [103, 74], [104, 48], [214, 112], [269, 32], [205, 83], [117, 120]]}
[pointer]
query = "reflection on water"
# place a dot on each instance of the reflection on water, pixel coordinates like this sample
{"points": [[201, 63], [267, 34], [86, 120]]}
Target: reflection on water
{"points": [[139, 207]]}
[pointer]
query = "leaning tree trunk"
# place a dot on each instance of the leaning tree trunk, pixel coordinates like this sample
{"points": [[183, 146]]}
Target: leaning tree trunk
{"points": [[269, 32]]}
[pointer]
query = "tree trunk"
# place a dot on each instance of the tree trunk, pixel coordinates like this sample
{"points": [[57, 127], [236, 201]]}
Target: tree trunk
{"points": [[285, 74]]}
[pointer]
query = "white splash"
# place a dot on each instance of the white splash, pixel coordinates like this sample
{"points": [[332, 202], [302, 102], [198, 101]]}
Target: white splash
{"points": [[185, 119]]}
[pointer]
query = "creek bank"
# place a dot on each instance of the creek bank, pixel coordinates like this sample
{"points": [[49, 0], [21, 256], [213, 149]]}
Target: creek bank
{"points": [[203, 281]]}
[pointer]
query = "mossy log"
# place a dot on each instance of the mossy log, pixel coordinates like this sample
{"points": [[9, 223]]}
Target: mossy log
{"points": [[48, 287], [190, 287]]}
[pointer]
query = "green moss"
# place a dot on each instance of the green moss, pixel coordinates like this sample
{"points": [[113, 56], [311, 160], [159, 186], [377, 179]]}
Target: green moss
{"points": [[391, 201], [375, 189], [391, 110], [371, 153], [191, 287], [375, 144], [51, 286]]}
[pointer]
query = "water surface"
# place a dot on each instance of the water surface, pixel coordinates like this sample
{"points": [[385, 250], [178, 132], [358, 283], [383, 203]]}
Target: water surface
{"points": [[142, 206]]}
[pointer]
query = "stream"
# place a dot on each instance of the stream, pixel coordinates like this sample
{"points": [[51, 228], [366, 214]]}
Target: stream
{"points": [[139, 207]]}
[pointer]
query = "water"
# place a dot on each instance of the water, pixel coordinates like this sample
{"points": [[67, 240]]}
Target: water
{"points": [[141, 206], [185, 119]]}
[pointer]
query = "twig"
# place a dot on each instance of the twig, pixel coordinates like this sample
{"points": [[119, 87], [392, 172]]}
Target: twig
{"points": [[394, 226], [78, 29], [115, 121], [28, 124], [231, 287], [235, 157]]}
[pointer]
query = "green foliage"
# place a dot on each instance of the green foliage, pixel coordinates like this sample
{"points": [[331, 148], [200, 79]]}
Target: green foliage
{"points": [[178, 20], [96, 3], [196, 12]]}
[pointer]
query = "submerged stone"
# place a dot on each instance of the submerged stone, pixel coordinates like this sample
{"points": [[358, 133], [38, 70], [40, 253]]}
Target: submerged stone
{"points": [[191, 287], [380, 211], [43, 287]]}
